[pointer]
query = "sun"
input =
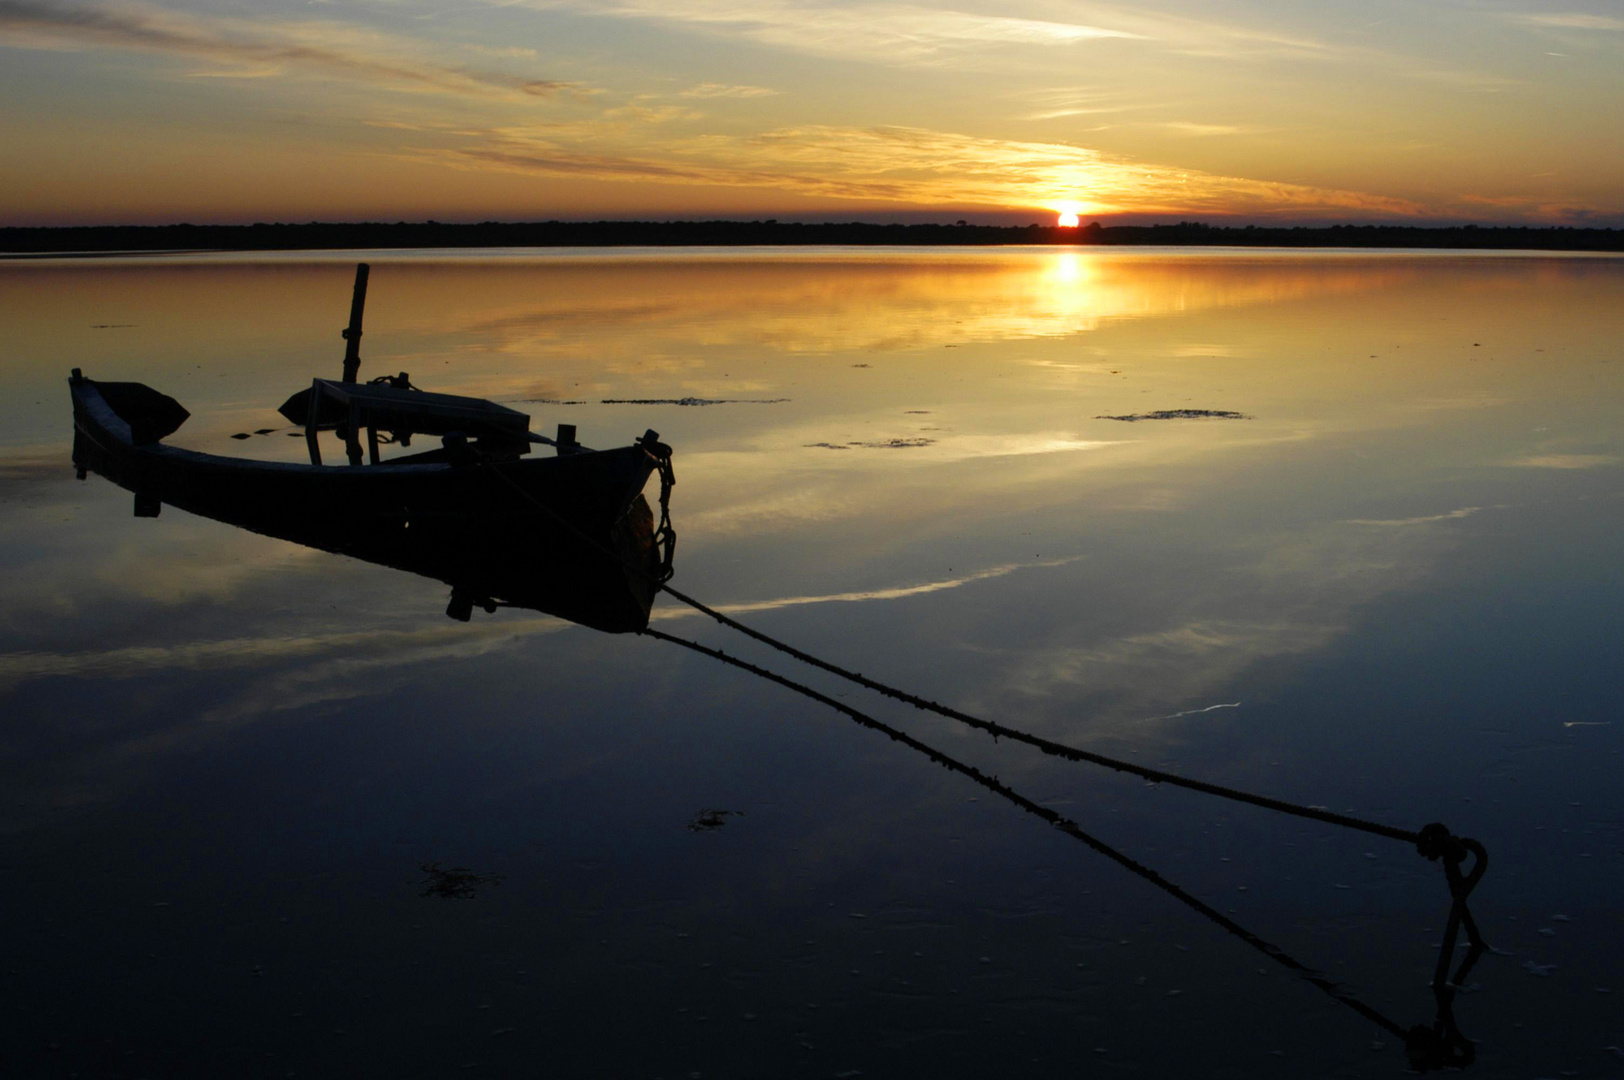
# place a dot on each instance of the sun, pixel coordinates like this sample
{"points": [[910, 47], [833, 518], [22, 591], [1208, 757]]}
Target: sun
{"points": [[1068, 212]]}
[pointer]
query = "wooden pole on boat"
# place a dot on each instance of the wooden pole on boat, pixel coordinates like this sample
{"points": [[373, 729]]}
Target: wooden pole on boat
{"points": [[352, 333], [313, 422]]}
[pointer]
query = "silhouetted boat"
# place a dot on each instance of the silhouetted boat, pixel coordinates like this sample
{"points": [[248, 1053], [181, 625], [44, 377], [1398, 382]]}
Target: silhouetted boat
{"points": [[570, 535]]}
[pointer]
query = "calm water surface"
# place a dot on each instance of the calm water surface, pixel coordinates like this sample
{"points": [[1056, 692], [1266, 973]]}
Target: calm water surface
{"points": [[1394, 589]]}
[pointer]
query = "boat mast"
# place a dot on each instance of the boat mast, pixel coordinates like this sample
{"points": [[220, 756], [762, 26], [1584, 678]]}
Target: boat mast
{"points": [[352, 333]]}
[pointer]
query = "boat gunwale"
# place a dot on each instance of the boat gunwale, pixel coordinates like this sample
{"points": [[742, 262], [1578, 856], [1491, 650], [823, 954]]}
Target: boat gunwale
{"points": [[95, 417]]}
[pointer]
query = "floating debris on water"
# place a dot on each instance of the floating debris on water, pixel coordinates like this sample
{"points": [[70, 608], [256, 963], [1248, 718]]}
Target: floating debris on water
{"points": [[1179, 414], [884, 444], [457, 883], [711, 820], [692, 401]]}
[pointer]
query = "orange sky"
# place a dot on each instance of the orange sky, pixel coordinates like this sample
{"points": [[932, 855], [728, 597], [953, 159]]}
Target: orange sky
{"points": [[217, 110]]}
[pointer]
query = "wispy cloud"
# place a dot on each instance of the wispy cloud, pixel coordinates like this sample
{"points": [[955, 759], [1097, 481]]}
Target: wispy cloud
{"points": [[896, 592], [1059, 114], [1563, 461], [645, 114], [917, 166], [1566, 211], [1053, 103], [510, 52], [244, 654], [1430, 519], [1186, 661], [1287, 594], [885, 32], [1566, 20], [258, 47], [898, 33], [388, 647], [1482, 82], [725, 90], [1187, 127]]}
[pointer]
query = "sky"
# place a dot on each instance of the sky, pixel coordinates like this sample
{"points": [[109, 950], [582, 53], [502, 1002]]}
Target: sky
{"points": [[1226, 111]]}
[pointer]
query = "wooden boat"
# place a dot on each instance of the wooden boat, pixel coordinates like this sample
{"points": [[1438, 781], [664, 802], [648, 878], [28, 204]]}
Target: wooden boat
{"points": [[569, 534]]}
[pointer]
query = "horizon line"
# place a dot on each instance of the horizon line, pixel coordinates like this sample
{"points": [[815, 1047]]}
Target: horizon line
{"points": [[56, 241], [1118, 222]]}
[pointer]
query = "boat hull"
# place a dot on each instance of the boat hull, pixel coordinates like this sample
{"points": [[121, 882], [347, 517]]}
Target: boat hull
{"points": [[570, 535]]}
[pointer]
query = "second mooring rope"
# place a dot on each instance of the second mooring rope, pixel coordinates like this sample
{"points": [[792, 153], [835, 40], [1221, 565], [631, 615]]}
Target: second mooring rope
{"points": [[1435, 1046], [1434, 841]]}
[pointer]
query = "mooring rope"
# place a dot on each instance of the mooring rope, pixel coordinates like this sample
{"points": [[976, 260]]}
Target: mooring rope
{"points": [[1434, 842], [1439, 1045], [1072, 829], [1071, 753]]}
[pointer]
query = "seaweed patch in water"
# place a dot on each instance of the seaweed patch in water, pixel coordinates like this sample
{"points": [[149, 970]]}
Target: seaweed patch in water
{"points": [[693, 401], [884, 444], [711, 820], [1179, 414], [457, 883]]}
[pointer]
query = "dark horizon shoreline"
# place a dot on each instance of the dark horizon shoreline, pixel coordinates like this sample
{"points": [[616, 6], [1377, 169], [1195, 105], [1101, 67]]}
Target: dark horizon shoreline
{"points": [[45, 241]]}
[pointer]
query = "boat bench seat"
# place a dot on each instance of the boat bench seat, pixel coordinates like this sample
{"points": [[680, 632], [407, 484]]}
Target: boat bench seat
{"points": [[374, 407]]}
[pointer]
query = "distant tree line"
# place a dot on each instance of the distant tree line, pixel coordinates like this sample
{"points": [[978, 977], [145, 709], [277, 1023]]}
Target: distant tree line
{"points": [[432, 234]]}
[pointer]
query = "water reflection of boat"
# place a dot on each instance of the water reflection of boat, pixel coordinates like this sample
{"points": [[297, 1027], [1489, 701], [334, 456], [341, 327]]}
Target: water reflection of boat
{"points": [[570, 535]]}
